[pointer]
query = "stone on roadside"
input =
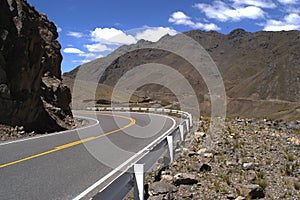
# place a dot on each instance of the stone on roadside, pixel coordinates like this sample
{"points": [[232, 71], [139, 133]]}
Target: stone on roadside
{"points": [[201, 151], [158, 197], [240, 198], [158, 188], [294, 141], [166, 177], [248, 166], [254, 191], [192, 153], [208, 155], [199, 135], [185, 191], [22, 132], [231, 196], [185, 179]]}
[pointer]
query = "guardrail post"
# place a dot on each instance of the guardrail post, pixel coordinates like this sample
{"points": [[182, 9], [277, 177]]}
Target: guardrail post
{"points": [[187, 125], [139, 181], [191, 120], [170, 144], [181, 132]]}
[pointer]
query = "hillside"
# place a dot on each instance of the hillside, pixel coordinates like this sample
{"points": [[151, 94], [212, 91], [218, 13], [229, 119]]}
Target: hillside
{"points": [[261, 70]]}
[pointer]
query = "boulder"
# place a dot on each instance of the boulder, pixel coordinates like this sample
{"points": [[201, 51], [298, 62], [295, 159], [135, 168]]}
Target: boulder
{"points": [[31, 90], [158, 188]]}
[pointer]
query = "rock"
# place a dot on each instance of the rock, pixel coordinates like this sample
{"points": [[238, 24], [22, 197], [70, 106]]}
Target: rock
{"points": [[251, 176], [28, 50], [185, 151], [32, 133], [199, 135], [201, 151], [192, 153], [175, 164], [157, 188], [240, 198], [208, 155], [294, 141], [21, 128], [4, 91], [184, 192], [185, 179], [230, 163], [22, 132], [157, 197], [166, 177], [254, 191], [205, 168], [231, 196], [248, 166]]}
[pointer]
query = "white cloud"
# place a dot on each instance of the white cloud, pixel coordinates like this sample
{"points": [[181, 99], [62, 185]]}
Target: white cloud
{"points": [[223, 12], [97, 47], [291, 9], [154, 34], [292, 19], [290, 22], [59, 29], [88, 58], [180, 18], [88, 55], [81, 61], [209, 27], [257, 3], [108, 39], [111, 36], [72, 50], [75, 34], [289, 1]]}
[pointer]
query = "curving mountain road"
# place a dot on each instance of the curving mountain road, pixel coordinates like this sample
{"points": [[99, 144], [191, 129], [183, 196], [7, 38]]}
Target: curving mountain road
{"points": [[63, 165]]}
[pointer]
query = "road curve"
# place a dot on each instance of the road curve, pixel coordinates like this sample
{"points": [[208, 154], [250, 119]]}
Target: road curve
{"points": [[62, 165]]}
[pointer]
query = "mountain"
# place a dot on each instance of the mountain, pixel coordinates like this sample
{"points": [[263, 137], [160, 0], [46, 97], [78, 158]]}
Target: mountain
{"points": [[261, 70], [31, 90]]}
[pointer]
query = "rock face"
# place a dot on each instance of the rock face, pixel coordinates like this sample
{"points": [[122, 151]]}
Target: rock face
{"points": [[31, 90]]}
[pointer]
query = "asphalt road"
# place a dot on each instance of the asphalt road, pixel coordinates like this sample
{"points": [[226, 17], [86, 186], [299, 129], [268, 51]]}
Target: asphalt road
{"points": [[62, 165]]}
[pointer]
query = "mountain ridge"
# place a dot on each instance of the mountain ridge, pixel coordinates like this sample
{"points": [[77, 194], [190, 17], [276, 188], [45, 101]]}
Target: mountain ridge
{"points": [[259, 66]]}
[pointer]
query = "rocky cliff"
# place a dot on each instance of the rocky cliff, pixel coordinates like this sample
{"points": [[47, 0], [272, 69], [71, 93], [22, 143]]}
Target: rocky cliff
{"points": [[31, 90]]}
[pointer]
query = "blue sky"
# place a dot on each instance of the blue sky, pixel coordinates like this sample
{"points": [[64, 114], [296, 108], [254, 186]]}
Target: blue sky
{"points": [[89, 29]]}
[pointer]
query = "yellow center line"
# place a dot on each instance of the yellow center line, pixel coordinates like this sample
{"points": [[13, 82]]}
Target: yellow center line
{"points": [[65, 146]]}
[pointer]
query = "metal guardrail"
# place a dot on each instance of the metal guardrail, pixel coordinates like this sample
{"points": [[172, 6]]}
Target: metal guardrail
{"points": [[134, 175]]}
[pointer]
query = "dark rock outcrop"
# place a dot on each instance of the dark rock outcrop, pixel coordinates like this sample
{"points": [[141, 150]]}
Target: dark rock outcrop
{"points": [[31, 90]]}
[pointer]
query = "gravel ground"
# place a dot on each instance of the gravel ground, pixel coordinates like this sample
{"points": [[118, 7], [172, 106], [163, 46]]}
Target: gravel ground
{"points": [[251, 159]]}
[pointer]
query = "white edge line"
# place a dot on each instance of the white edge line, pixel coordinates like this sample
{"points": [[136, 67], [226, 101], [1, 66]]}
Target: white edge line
{"points": [[92, 187], [53, 134]]}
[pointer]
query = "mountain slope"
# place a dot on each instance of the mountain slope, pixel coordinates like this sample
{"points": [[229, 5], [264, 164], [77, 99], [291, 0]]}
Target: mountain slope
{"points": [[257, 68]]}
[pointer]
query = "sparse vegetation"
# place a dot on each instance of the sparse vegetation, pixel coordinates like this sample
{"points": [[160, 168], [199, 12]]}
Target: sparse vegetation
{"points": [[249, 152]]}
